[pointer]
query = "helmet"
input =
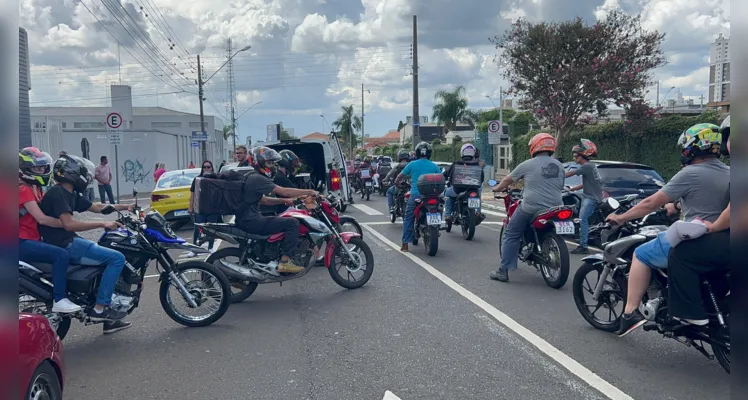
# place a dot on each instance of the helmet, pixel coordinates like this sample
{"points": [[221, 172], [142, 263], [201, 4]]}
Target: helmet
{"points": [[403, 155], [542, 142], [34, 166], [412, 155], [367, 159], [290, 161], [698, 141], [72, 170], [261, 156], [358, 157], [423, 149], [724, 129], [587, 149], [467, 151]]}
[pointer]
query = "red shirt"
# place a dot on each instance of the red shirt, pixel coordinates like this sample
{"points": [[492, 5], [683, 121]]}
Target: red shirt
{"points": [[28, 228]]}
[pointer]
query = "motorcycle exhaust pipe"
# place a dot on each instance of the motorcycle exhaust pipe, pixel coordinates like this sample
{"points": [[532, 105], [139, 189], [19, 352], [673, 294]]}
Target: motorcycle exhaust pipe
{"points": [[234, 271], [34, 289]]}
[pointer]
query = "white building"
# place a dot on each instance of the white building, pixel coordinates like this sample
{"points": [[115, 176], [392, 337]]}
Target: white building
{"points": [[24, 75], [149, 135], [719, 74]]}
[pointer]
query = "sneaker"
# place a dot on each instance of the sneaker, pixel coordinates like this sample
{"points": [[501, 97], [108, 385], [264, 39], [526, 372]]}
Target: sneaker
{"points": [[288, 267], [65, 306], [629, 322], [404, 248], [115, 326], [107, 314], [580, 250], [501, 275]]}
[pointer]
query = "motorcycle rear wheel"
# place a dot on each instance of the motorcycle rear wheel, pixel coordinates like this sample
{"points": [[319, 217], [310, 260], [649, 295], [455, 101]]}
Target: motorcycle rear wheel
{"points": [[547, 240], [467, 224], [578, 289], [431, 240], [357, 244], [238, 293], [393, 216]]}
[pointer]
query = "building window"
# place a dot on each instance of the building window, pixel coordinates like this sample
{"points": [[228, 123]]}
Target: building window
{"points": [[64, 125], [40, 125], [166, 124], [88, 125]]}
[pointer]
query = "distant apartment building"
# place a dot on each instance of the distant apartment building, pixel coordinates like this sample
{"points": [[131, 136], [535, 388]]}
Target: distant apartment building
{"points": [[24, 75], [719, 74]]}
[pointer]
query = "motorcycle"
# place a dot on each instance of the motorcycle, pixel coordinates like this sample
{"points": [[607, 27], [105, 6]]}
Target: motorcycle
{"points": [[382, 171], [366, 183], [542, 245], [257, 256], [143, 237], [428, 211], [609, 289], [400, 202], [465, 213]]}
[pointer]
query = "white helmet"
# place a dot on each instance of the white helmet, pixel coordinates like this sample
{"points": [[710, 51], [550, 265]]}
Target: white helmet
{"points": [[467, 150]]}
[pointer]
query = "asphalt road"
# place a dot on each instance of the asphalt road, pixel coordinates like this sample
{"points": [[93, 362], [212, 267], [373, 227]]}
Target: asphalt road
{"points": [[422, 328]]}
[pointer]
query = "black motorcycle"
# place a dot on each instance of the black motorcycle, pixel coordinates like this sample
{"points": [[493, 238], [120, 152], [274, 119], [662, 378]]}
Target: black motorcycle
{"points": [[400, 202], [604, 278], [465, 213], [382, 171], [142, 238]]}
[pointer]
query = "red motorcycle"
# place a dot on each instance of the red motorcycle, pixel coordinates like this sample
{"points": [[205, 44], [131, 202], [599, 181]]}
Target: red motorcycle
{"points": [[256, 259], [428, 211], [542, 245]]}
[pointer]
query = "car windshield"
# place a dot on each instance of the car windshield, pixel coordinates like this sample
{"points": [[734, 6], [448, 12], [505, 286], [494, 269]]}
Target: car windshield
{"points": [[175, 179], [630, 177]]}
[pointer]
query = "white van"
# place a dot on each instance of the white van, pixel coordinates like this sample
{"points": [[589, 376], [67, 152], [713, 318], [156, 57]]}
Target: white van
{"points": [[324, 161]]}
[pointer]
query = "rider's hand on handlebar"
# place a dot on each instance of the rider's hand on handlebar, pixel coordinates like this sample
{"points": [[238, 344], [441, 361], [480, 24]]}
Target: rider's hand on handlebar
{"points": [[111, 225], [615, 219], [289, 202], [671, 210]]}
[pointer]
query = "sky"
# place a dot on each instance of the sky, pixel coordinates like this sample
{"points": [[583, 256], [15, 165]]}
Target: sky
{"points": [[309, 57]]}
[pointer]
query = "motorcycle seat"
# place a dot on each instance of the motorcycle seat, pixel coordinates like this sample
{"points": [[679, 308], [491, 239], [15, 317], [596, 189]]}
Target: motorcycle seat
{"points": [[236, 231], [47, 268], [549, 210]]}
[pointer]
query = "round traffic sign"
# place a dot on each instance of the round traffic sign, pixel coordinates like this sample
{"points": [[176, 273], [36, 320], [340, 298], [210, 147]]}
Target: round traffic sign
{"points": [[494, 127], [114, 120]]}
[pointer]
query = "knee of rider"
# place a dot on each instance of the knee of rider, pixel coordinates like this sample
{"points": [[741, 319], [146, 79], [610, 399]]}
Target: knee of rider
{"points": [[292, 224]]}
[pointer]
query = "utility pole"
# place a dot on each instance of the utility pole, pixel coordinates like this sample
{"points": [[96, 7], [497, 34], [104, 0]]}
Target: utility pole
{"points": [[363, 140], [657, 103], [415, 120], [232, 94], [203, 145]]}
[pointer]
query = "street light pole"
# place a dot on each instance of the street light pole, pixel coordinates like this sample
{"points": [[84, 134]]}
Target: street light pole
{"points": [[233, 122]]}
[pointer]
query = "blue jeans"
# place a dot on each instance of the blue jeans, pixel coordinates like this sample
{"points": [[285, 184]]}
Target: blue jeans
{"points": [[513, 237], [586, 209], [409, 219], [32, 251], [200, 219], [391, 197], [451, 195], [86, 252], [654, 254], [108, 190]]}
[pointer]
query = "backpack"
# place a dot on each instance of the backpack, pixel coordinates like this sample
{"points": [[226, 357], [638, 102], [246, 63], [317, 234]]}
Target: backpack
{"points": [[220, 194]]}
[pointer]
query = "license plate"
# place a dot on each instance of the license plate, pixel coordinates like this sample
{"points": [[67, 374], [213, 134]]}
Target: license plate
{"points": [[368, 184], [473, 202], [564, 227], [434, 219], [181, 213]]}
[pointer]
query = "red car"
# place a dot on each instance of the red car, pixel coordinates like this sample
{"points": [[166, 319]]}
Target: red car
{"points": [[40, 359]]}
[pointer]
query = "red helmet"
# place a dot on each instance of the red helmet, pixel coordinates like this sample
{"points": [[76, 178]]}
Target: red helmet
{"points": [[542, 142], [587, 149]]}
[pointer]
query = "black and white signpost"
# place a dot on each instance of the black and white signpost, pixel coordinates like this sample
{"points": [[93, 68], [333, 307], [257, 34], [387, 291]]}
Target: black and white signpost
{"points": [[114, 128]]}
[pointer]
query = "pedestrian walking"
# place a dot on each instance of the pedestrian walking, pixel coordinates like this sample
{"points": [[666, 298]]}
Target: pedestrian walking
{"points": [[103, 175], [160, 169]]}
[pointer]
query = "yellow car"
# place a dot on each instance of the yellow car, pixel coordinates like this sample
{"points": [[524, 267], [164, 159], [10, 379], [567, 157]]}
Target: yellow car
{"points": [[171, 197]]}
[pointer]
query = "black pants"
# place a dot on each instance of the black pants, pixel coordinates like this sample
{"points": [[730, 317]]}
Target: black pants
{"points": [[687, 265], [271, 225]]}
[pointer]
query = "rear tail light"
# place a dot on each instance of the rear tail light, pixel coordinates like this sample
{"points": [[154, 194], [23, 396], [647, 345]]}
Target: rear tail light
{"points": [[473, 194], [431, 201], [334, 180], [565, 214], [157, 197]]}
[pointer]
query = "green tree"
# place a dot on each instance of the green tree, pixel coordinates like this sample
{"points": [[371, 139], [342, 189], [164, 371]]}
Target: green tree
{"points": [[226, 132], [520, 124], [568, 69], [457, 139], [436, 142], [451, 107], [347, 125], [284, 135]]}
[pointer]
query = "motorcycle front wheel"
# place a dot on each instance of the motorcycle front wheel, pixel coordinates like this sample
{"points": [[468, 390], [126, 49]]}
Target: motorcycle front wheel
{"points": [[361, 265], [554, 251], [209, 288], [613, 294], [349, 224]]}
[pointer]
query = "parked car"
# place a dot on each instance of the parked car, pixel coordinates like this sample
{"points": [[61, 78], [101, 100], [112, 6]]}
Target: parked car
{"points": [[442, 164], [323, 160], [171, 196], [41, 367], [621, 178]]}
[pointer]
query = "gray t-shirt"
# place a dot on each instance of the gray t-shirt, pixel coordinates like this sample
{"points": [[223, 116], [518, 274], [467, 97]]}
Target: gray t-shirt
{"points": [[703, 190], [544, 181], [591, 181]]}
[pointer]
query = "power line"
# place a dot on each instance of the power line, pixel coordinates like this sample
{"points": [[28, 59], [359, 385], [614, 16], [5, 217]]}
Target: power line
{"points": [[34, 104]]}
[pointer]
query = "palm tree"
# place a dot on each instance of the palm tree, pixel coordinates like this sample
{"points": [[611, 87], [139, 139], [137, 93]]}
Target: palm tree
{"points": [[451, 108], [347, 125]]}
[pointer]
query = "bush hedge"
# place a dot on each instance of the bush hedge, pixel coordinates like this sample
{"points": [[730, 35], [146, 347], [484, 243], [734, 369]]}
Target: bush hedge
{"points": [[655, 146]]}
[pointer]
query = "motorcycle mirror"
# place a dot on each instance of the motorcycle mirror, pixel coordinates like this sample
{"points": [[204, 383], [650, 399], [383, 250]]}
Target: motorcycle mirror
{"points": [[492, 182], [613, 203], [108, 209]]}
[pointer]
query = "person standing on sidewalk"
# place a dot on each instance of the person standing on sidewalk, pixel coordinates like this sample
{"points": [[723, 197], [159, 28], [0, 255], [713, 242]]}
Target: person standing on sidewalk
{"points": [[103, 176], [160, 169], [592, 190], [241, 156]]}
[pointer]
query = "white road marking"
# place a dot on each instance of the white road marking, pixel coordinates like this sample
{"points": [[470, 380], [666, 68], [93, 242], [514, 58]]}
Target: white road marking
{"points": [[367, 210], [498, 214], [562, 359], [390, 396], [400, 222]]}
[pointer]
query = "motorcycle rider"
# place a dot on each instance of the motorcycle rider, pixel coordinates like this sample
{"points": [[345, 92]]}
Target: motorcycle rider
{"points": [[402, 160], [414, 170], [256, 189], [364, 166], [592, 190], [688, 263], [544, 181], [702, 189], [468, 156], [287, 167], [60, 202]]}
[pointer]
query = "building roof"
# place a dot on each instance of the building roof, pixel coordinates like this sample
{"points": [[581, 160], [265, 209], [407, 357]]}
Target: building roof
{"points": [[317, 136], [102, 111], [392, 136]]}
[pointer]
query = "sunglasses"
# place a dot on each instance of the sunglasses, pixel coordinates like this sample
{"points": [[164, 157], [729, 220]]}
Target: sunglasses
{"points": [[207, 167]]}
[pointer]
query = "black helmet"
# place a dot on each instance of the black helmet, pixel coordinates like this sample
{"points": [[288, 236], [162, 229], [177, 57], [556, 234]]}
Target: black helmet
{"points": [[72, 170], [724, 129], [34, 166], [261, 156], [290, 161], [412, 155], [423, 149], [403, 155]]}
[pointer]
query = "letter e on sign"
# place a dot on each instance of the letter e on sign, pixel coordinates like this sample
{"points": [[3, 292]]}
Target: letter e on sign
{"points": [[494, 126], [114, 120]]}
